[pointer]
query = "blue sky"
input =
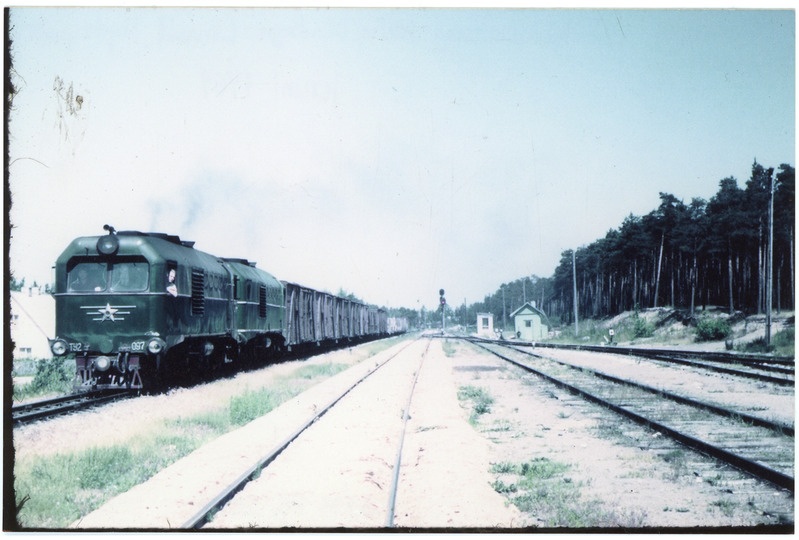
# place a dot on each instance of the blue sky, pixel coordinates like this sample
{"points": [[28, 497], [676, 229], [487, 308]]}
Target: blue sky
{"points": [[388, 152]]}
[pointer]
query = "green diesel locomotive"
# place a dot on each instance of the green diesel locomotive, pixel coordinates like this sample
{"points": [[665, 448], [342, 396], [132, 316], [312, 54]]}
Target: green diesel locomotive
{"points": [[139, 309]]}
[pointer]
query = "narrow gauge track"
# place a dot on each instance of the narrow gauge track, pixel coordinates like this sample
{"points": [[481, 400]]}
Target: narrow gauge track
{"points": [[765, 368], [765, 452], [48, 408], [207, 513]]}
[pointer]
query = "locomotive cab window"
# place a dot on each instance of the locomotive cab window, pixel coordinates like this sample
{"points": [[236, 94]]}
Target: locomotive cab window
{"points": [[131, 276], [101, 276], [90, 276]]}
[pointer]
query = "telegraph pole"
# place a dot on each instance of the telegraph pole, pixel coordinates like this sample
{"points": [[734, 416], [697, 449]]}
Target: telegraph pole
{"points": [[574, 274], [503, 307], [443, 302], [770, 256]]}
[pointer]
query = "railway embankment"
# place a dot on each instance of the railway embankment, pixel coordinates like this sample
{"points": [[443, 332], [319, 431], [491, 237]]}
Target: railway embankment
{"points": [[666, 327]]}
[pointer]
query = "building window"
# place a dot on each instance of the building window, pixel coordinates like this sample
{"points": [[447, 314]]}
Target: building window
{"points": [[528, 324], [485, 322]]}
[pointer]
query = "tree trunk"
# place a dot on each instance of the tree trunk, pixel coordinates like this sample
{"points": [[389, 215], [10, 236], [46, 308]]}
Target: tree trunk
{"points": [[693, 285], [729, 275], [671, 284], [660, 261], [761, 284], [790, 261], [779, 284]]}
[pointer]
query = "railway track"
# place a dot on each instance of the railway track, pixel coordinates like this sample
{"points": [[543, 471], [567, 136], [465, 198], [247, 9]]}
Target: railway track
{"points": [[379, 446], [767, 368], [208, 513], [49, 408], [762, 449]]}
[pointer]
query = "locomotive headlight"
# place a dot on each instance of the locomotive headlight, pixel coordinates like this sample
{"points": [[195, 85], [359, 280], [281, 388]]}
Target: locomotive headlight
{"points": [[59, 347], [102, 363], [108, 244], [155, 345]]}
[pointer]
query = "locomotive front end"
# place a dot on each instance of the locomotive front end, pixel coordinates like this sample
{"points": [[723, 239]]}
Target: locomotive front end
{"points": [[104, 311]]}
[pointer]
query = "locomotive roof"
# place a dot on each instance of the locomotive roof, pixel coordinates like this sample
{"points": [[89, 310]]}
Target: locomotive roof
{"points": [[245, 262], [168, 237]]}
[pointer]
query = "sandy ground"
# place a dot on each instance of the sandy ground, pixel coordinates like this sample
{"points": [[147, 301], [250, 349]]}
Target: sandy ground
{"points": [[446, 462], [630, 483], [340, 473]]}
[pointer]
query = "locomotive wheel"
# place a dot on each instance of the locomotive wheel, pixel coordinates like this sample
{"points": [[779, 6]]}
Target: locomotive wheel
{"points": [[151, 374]]}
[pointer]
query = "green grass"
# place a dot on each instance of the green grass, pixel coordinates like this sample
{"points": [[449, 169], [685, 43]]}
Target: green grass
{"points": [[782, 344], [56, 490], [63, 487], [253, 404], [543, 491], [449, 348], [480, 399]]}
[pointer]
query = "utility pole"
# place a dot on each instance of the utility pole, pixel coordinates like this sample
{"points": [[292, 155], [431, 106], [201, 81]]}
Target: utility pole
{"points": [[770, 256], [503, 307], [574, 274], [443, 302]]}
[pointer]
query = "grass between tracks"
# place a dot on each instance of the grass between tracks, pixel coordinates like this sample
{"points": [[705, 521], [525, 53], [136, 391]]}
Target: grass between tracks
{"points": [[54, 491], [542, 488]]}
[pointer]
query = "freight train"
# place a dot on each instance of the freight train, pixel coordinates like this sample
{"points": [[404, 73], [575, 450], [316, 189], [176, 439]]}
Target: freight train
{"points": [[142, 309]]}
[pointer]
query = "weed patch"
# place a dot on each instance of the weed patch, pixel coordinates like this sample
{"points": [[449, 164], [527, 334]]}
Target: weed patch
{"points": [[480, 399], [543, 491], [449, 348]]}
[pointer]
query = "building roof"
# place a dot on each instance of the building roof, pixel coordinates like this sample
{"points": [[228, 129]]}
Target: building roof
{"points": [[529, 309]]}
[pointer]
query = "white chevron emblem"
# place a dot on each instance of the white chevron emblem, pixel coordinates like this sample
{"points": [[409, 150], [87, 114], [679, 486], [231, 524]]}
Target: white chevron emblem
{"points": [[107, 312]]}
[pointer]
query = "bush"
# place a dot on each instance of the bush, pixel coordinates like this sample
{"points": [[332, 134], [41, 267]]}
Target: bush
{"points": [[712, 330], [53, 375], [641, 328]]}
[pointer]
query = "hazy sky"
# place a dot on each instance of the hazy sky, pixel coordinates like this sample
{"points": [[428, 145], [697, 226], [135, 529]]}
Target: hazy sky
{"points": [[388, 152]]}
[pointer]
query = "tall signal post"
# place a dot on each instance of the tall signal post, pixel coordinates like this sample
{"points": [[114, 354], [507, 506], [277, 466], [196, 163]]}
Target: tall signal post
{"points": [[443, 302]]}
